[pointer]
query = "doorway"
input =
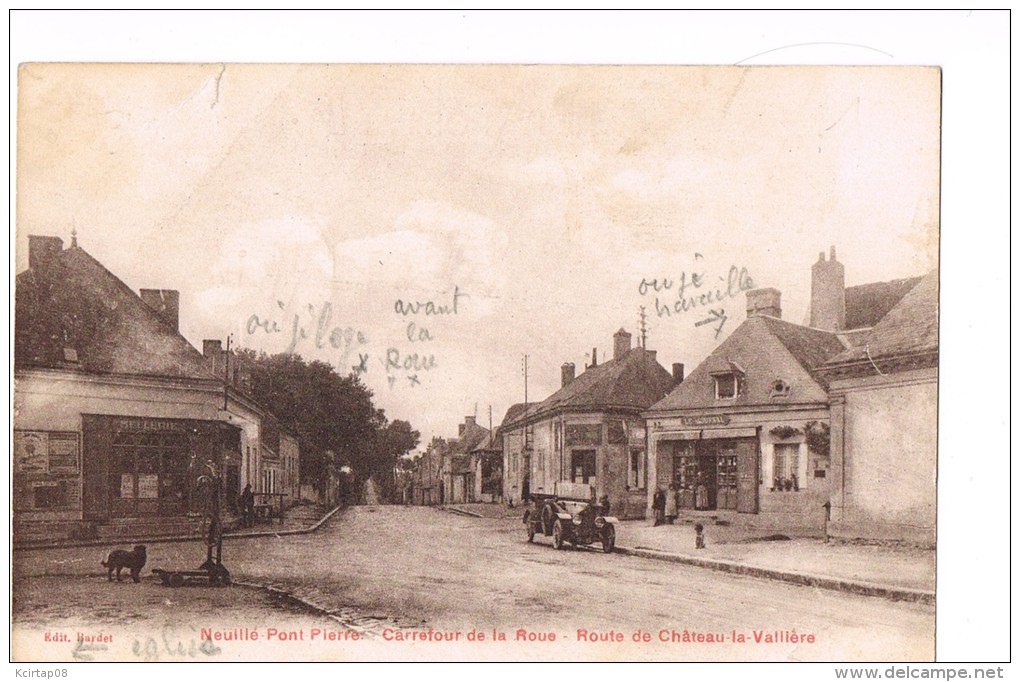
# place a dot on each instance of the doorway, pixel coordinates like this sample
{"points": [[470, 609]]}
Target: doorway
{"points": [[582, 466]]}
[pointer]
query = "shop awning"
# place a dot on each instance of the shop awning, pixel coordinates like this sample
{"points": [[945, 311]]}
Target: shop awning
{"points": [[729, 433], [679, 435]]}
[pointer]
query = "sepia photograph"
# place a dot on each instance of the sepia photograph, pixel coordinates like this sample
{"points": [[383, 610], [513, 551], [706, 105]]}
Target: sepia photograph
{"points": [[476, 362]]}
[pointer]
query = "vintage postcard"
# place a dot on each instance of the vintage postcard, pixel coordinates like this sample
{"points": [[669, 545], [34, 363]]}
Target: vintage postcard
{"points": [[475, 362]]}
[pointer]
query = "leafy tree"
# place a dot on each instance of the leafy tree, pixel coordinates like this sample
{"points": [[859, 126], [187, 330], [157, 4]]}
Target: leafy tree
{"points": [[334, 417], [392, 443]]}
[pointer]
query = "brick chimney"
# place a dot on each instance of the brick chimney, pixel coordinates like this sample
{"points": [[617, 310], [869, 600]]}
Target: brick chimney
{"points": [[621, 344], [828, 293], [212, 351], [764, 302], [566, 373], [678, 373], [166, 303], [42, 249], [594, 358]]}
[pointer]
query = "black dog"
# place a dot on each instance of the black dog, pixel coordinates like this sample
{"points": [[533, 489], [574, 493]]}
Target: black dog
{"points": [[120, 559]]}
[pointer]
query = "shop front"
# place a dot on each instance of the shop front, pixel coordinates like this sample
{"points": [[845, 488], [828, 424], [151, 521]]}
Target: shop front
{"points": [[708, 469], [147, 467], [770, 464]]}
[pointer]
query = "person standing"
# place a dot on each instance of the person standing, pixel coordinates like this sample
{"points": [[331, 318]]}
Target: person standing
{"points": [[248, 507], [659, 506], [671, 505], [701, 496]]}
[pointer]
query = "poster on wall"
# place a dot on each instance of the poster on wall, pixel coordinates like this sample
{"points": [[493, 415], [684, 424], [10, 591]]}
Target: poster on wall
{"points": [[148, 486], [30, 453], [63, 453], [127, 486]]}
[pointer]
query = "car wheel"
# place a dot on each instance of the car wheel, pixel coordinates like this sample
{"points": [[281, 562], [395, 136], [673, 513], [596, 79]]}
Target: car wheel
{"points": [[558, 539], [548, 519], [608, 539]]}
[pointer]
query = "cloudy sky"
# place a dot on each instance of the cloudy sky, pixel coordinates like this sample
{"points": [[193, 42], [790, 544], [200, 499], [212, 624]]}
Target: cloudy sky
{"points": [[543, 195]]}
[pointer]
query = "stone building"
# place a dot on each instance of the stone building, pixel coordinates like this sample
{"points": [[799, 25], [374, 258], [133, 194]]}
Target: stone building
{"points": [[118, 423], [884, 415], [590, 431], [749, 431]]}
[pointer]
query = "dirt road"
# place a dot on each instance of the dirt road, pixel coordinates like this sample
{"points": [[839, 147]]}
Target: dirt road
{"points": [[412, 569]]}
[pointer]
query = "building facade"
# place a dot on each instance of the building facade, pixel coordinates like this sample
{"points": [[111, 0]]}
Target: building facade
{"points": [[590, 431], [884, 397], [751, 431], [118, 422]]}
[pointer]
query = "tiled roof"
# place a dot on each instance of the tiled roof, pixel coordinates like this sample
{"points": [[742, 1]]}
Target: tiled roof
{"points": [[764, 349], [469, 440], [515, 411], [491, 443], [866, 304], [810, 347], [73, 302], [635, 380], [911, 327]]}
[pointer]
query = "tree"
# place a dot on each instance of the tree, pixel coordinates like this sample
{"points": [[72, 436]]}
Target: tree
{"points": [[330, 414], [391, 444]]}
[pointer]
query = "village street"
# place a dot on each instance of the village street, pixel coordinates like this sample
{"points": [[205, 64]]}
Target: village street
{"points": [[383, 571]]}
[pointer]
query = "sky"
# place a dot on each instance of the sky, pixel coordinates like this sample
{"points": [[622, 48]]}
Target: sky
{"points": [[298, 208]]}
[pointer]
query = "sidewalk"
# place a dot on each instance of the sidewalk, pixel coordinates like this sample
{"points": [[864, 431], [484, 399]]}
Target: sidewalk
{"points": [[893, 572], [297, 520]]}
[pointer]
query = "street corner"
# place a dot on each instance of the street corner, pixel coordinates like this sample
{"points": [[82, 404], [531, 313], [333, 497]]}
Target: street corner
{"points": [[87, 618]]}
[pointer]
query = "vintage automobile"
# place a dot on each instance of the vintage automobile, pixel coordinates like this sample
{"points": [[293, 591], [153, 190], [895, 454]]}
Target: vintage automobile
{"points": [[575, 522]]}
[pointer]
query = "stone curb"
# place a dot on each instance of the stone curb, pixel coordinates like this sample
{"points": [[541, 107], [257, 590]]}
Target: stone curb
{"points": [[176, 538], [462, 512], [837, 584], [368, 632]]}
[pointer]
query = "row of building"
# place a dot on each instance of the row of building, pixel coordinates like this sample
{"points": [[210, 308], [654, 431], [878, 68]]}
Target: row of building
{"points": [[784, 426], [120, 425]]}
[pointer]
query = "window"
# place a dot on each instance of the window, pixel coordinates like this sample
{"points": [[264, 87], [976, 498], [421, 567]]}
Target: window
{"points": [[728, 385], [780, 389], [582, 465], [785, 465], [636, 470]]}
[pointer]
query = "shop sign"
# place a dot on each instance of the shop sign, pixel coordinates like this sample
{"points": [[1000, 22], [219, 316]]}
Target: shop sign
{"points": [[706, 420], [141, 424], [583, 434]]}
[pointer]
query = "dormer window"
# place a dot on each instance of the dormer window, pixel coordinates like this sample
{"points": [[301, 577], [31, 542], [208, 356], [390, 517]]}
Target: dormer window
{"points": [[728, 385], [729, 382]]}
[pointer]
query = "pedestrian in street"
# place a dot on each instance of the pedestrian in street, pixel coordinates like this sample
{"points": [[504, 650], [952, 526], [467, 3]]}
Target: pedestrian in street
{"points": [[671, 505], [247, 507], [659, 506], [604, 503]]}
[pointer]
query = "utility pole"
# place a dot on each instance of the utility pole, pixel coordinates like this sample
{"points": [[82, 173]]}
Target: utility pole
{"points": [[525, 379], [226, 372], [644, 329]]}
